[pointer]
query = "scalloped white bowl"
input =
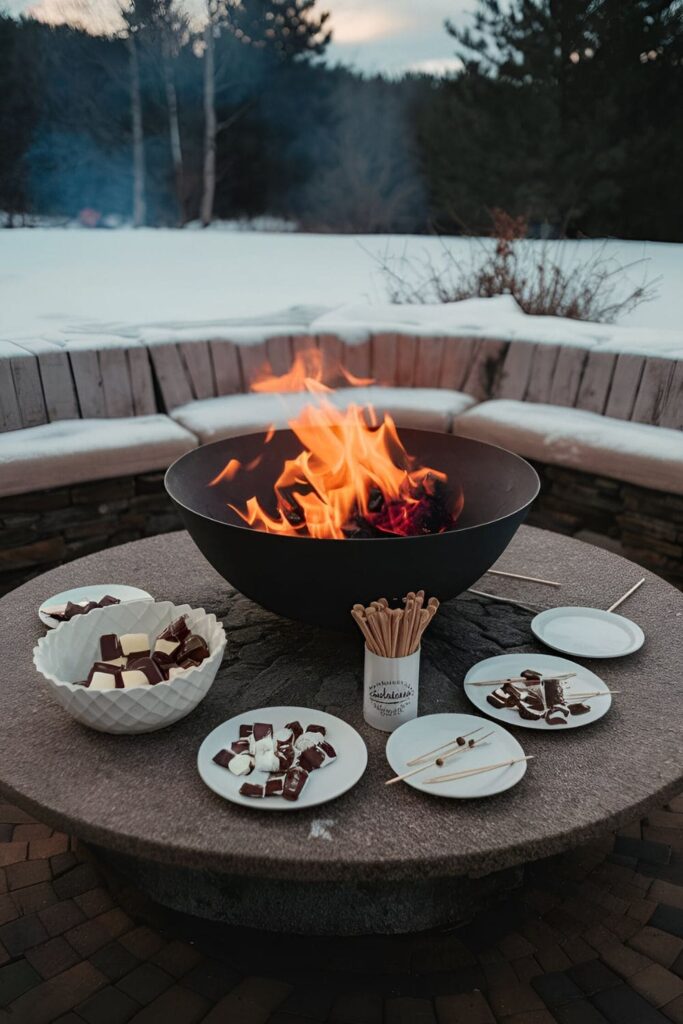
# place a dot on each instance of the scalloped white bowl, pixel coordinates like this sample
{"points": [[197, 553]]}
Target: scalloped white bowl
{"points": [[67, 653]]}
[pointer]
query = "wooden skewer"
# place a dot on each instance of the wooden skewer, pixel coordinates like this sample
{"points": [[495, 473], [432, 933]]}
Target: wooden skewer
{"points": [[365, 630], [517, 679], [503, 600], [518, 576], [454, 776], [439, 761], [585, 696], [416, 760], [627, 594]]}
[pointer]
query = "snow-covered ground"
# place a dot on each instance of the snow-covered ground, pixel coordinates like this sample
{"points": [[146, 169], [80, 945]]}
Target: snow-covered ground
{"points": [[63, 284]]}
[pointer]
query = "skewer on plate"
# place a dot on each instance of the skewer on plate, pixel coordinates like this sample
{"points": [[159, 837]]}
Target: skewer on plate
{"points": [[455, 776], [440, 761], [562, 676]]}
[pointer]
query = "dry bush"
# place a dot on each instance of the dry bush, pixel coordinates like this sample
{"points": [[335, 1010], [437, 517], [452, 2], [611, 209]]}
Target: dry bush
{"points": [[535, 275]]}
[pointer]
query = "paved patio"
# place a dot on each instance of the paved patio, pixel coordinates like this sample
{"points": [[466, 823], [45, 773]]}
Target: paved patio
{"points": [[594, 936]]}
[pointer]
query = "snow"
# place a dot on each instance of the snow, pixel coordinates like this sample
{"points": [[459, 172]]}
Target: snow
{"points": [[157, 285], [69, 451], [637, 453]]}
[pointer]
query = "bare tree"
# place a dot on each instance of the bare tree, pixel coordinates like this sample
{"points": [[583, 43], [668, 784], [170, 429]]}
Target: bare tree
{"points": [[213, 10], [139, 170]]}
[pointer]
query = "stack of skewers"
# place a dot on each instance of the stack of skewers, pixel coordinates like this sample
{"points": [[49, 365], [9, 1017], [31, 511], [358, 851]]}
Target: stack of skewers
{"points": [[395, 632]]}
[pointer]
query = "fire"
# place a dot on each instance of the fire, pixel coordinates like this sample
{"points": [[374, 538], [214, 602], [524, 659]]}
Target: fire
{"points": [[306, 372], [353, 476]]}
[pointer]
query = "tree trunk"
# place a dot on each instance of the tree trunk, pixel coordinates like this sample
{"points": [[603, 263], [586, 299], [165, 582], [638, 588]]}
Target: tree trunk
{"points": [[139, 202], [209, 183], [173, 128]]}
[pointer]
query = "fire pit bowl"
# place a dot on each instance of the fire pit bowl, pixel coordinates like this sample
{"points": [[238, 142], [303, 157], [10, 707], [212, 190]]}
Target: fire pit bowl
{"points": [[318, 581]]}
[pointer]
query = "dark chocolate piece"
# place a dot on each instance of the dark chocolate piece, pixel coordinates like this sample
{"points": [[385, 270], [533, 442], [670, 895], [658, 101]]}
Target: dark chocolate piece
{"points": [[552, 689], [495, 702], [274, 786], [328, 750], [105, 601], [312, 758], [176, 630], [531, 675], [295, 780], [223, 758], [251, 789], [246, 731], [317, 728], [194, 647], [73, 609], [579, 708], [261, 730], [149, 667], [557, 715], [110, 648], [113, 670], [240, 746], [296, 728], [165, 664], [285, 756]]}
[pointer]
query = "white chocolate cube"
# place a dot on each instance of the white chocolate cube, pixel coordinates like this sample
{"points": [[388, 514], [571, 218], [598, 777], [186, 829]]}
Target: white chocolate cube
{"points": [[133, 677], [133, 643], [166, 646], [102, 681]]}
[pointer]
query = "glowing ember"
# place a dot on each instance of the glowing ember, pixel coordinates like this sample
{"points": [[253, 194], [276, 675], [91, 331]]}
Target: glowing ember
{"points": [[353, 477]]}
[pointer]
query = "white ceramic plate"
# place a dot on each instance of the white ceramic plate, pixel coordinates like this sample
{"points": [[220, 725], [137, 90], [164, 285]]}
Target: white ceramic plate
{"points": [[588, 632], [430, 731], [323, 785], [507, 665], [92, 593]]}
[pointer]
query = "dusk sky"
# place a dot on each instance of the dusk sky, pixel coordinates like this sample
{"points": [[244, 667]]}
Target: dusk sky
{"points": [[373, 35]]}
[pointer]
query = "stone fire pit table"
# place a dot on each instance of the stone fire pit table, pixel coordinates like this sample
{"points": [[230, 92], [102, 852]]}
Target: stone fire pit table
{"points": [[376, 859]]}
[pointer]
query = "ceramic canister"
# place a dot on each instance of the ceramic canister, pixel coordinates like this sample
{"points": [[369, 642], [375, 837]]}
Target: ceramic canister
{"points": [[391, 690]]}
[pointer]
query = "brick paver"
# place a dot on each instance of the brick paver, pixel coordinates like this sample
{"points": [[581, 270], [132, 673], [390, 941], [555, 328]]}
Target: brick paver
{"points": [[594, 937]]}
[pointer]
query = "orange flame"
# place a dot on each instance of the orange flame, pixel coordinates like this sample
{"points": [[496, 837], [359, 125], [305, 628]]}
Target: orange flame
{"points": [[306, 370], [353, 471]]}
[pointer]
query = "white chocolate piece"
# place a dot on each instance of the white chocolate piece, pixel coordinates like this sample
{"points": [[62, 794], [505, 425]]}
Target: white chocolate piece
{"points": [[117, 662], [166, 646], [240, 764], [133, 677], [132, 643], [102, 681], [55, 609], [175, 671]]}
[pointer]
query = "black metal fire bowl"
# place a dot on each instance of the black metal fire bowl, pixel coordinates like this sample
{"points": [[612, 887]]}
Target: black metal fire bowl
{"points": [[318, 581]]}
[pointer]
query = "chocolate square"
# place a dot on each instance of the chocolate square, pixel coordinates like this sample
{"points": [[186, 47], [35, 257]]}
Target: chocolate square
{"points": [[261, 730], [223, 758], [274, 786], [105, 601], [240, 746], [110, 648], [297, 729], [149, 667], [312, 758], [251, 789], [246, 731], [295, 780], [195, 647], [317, 728], [176, 630]]}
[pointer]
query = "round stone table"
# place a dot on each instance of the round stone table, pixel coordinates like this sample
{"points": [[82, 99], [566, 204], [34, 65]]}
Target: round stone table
{"points": [[376, 859]]}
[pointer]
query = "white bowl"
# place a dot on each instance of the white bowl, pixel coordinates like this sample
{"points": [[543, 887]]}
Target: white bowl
{"points": [[68, 652]]}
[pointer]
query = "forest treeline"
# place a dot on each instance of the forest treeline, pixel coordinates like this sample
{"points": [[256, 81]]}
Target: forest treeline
{"points": [[567, 113]]}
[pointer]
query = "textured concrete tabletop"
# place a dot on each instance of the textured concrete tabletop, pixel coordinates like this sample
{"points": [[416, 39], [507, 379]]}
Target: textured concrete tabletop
{"points": [[142, 794]]}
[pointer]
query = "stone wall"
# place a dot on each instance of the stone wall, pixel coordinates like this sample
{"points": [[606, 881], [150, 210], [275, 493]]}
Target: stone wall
{"points": [[42, 529], [45, 528]]}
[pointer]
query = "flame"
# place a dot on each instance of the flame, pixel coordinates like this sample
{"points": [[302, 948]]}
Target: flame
{"points": [[306, 374], [353, 474]]}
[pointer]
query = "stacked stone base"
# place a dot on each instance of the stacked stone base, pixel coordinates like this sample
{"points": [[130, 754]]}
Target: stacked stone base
{"points": [[642, 525], [42, 529]]}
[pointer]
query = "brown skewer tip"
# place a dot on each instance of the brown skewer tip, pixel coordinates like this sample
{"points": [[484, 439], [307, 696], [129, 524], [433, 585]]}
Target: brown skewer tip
{"points": [[439, 760], [416, 760]]}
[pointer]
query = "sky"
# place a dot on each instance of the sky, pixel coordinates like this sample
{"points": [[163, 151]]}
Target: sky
{"points": [[391, 36]]}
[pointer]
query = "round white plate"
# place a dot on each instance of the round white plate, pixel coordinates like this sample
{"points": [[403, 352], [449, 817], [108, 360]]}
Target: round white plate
{"points": [[92, 593], [588, 632], [323, 785], [430, 731], [507, 665]]}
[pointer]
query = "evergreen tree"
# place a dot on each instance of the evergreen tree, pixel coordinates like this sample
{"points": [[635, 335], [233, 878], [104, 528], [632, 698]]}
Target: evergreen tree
{"points": [[555, 110]]}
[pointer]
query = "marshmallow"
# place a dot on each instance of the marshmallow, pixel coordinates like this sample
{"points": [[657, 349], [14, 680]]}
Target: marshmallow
{"points": [[241, 764]]}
